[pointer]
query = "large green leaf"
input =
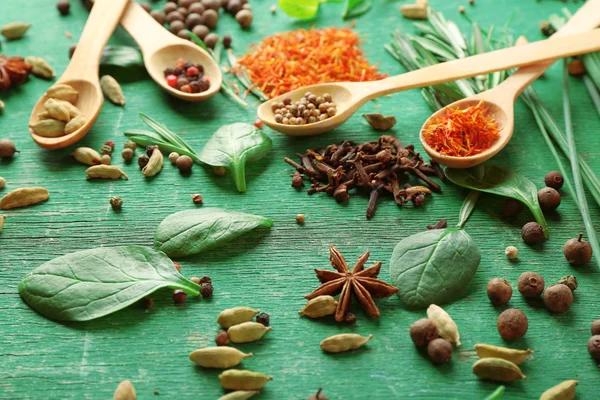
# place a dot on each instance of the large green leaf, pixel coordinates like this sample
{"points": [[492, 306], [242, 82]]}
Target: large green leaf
{"points": [[356, 8], [92, 283], [433, 267], [300, 9], [194, 231], [232, 146], [503, 181]]}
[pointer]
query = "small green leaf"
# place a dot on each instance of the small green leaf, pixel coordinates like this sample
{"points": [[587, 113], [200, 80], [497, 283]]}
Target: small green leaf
{"points": [[194, 231], [232, 146], [300, 9], [93, 283], [356, 8]]}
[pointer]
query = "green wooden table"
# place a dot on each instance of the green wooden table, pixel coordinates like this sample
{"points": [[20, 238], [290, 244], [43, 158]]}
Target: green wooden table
{"points": [[41, 359]]}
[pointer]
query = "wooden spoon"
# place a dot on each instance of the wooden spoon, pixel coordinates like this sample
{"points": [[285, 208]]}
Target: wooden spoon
{"points": [[162, 49], [82, 72], [500, 100], [349, 96]]}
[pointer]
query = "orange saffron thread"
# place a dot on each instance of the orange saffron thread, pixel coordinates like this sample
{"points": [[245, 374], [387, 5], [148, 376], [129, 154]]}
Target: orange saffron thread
{"points": [[463, 133], [286, 61]]}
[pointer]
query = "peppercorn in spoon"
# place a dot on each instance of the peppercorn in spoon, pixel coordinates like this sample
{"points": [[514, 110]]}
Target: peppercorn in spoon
{"points": [[82, 76], [162, 50], [498, 103], [348, 97]]}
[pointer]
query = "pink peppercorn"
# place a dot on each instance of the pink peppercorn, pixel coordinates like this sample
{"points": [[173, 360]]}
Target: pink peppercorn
{"points": [[172, 80], [258, 123], [192, 71], [109, 143]]}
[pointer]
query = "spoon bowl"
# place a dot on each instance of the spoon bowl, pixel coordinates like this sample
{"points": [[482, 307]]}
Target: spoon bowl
{"points": [[501, 112], [90, 101], [166, 57]]}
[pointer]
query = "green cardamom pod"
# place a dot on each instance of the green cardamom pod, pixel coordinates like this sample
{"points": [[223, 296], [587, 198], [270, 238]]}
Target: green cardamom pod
{"points": [[563, 391], [319, 307], [105, 172], [63, 92], [236, 379], [247, 331], [49, 128], [155, 163], [497, 369], [236, 315], [75, 124], [56, 110], [239, 395], [218, 357], [344, 342], [2, 219], [14, 30], [40, 67], [112, 90], [516, 356]]}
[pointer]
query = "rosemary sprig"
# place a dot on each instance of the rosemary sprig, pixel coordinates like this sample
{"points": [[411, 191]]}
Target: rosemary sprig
{"points": [[243, 77], [583, 206]]}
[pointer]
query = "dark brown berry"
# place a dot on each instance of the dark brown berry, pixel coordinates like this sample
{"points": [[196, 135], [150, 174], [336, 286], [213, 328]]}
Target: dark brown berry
{"points": [[147, 7], [206, 289], [577, 251], [222, 338], [159, 16], [318, 395], [263, 318], [532, 233], [205, 279], [184, 163], [440, 351], [531, 284], [512, 324], [63, 7], [596, 327], [423, 331], [234, 6], [593, 346], [511, 207], [193, 20], [549, 199], [174, 16], [7, 148], [179, 296], [169, 7], [558, 298], [499, 291], [554, 180], [201, 31], [143, 160], [227, 41], [350, 318], [570, 281]]}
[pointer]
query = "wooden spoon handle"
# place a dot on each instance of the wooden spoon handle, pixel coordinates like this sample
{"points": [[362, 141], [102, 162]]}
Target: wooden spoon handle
{"points": [[585, 19], [485, 63], [101, 23], [146, 32]]}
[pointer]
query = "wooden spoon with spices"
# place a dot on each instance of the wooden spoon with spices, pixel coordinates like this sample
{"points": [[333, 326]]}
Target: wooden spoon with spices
{"points": [[499, 101], [82, 72], [350, 96], [162, 49]]}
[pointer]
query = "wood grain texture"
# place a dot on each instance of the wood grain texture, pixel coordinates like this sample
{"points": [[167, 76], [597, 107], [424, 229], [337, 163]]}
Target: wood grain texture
{"points": [[272, 270]]}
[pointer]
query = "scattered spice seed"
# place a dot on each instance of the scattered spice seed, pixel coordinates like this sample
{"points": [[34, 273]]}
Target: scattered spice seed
{"points": [[63, 7], [554, 179], [512, 324], [258, 123], [7, 148], [439, 351], [222, 338], [130, 145], [461, 9], [206, 289], [2, 219], [205, 279], [184, 164], [197, 198], [531, 284], [177, 266], [511, 252], [147, 302], [179, 296], [273, 10], [350, 319], [499, 291], [263, 318], [195, 279], [570, 281], [558, 298], [441, 224], [593, 347], [549, 199], [143, 160], [300, 218], [173, 157], [116, 203], [462, 133], [577, 251], [289, 60], [219, 171], [546, 28], [127, 154], [2, 182], [423, 331], [532, 233], [595, 327], [105, 159], [511, 207], [576, 68]]}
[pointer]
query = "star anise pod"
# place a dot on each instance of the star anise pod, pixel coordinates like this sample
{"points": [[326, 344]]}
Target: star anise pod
{"points": [[363, 282], [13, 71]]}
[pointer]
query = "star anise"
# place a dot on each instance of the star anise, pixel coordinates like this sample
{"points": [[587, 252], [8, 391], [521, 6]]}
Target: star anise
{"points": [[363, 282], [13, 71]]}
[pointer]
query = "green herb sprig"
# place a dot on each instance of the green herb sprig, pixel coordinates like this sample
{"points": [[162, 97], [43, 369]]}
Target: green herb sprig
{"points": [[308, 9]]}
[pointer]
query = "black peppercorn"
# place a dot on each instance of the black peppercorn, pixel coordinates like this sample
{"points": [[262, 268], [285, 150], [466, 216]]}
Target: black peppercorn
{"points": [[227, 41], [577, 251], [554, 180], [558, 298], [423, 331], [531, 284], [440, 351], [511, 207], [179, 296], [206, 289], [532, 233], [596, 327], [263, 318], [499, 291], [205, 279], [222, 338], [512, 324], [350, 318], [593, 347], [143, 160], [549, 199], [63, 7]]}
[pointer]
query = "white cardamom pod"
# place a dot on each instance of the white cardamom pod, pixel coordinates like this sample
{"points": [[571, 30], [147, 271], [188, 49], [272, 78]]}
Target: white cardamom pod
{"points": [[73, 111], [86, 155], [49, 128], [112, 90], [40, 67], [155, 163], [218, 357], [444, 323]]}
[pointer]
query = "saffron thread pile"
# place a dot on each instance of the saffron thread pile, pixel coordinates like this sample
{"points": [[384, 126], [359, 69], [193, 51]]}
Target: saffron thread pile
{"points": [[463, 133], [286, 61]]}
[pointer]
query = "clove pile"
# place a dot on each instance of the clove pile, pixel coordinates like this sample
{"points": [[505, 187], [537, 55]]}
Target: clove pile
{"points": [[376, 167]]}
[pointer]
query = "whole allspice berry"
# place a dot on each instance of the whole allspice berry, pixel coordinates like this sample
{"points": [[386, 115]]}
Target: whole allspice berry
{"points": [[499, 291], [63, 7], [531, 284], [300, 218], [439, 351], [184, 163], [577, 251], [570, 281], [596, 327], [197, 198], [143, 160], [263, 318], [512, 324], [532, 233], [173, 156], [318, 396], [350, 318], [116, 203], [423, 331], [549, 199], [222, 338], [554, 180], [593, 347], [511, 207], [558, 298], [127, 154], [7, 148], [206, 289], [244, 18]]}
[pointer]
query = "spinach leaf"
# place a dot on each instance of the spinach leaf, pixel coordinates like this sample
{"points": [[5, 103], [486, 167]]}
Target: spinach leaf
{"points": [[434, 266], [503, 181], [125, 63], [194, 231], [356, 8], [93, 283], [231, 146], [300, 9]]}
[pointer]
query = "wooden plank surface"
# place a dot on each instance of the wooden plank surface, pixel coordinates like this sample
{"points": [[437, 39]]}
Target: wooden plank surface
{"points": [[272, 270]]}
